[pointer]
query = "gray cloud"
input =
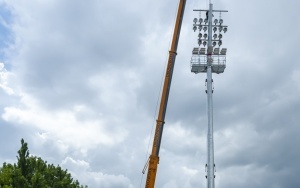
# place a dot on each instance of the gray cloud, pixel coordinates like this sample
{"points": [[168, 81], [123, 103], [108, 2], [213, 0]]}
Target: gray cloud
{"points": [[87, 76]]}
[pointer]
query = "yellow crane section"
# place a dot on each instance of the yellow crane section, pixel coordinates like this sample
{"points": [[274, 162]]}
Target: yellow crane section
{"points": [[154, 157]]}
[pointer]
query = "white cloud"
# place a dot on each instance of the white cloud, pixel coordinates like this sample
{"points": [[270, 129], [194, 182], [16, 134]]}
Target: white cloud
{"points": [[63, 125], [81, 169], [5, 77]]}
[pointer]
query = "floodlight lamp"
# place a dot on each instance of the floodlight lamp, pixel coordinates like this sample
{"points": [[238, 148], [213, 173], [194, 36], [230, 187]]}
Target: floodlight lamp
{"points": [[195, 20], [200, 27], [205, 36], [221, 21], [225, 29], [200, 20], [220, 28], [204, 29], [206, 20], [194, 28], [215, 36], [204, 43], [200, 35], [216, 21], [220, 36], [214, 44], [215, 29], [220, 43], [199, 42]]}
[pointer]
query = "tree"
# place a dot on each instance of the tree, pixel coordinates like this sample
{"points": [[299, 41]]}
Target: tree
{"points": [[23, 158], [34, 172]]}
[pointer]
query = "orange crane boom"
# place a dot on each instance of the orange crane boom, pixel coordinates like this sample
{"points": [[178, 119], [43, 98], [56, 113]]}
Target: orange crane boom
{"points": [[154, 157]]}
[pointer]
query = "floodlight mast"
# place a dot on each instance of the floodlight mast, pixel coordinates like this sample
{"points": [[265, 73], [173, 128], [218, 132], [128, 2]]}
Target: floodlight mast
{"points": [[210, 62], [210, 140]]}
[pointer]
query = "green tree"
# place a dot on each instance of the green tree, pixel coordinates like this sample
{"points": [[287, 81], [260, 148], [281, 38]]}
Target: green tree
{"points": [[34, 172], [23, 158]]}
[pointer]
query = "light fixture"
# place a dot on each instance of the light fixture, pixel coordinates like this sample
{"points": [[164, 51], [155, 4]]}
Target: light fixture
{"points": [[220, 28], [216, 21], [216, 51], [220, 36], [220, 43], [194, 28], [206, 20], [205, 36], [200, 27], [202, 51], [204, 43], [204, 29], [215, 29], [214, 44], [199, 42], [195, 20], [200, 20], [200, 35], [225, 29], [215, 36], [223, 51], [221, 21]]}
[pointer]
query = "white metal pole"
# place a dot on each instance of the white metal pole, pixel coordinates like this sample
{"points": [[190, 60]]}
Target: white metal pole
{"points": [[210, 139]]}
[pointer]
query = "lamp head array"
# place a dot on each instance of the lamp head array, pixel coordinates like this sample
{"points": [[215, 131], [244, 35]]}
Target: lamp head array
{"points": [[202, 25]]}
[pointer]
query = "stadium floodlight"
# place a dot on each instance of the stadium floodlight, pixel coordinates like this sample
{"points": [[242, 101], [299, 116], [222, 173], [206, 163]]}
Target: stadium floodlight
{"points": [[210, 60], [200, 27], [216, 51], [221, 21], [216, 21], [202, 51], [194, 28], [220, 28], [223, 51], [200, 20], [195, 20], [215, 29], [199, 42]]}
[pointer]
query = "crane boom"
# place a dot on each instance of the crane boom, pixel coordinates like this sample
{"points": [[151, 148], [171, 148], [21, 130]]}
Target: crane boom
{"points": [[154, 157]]}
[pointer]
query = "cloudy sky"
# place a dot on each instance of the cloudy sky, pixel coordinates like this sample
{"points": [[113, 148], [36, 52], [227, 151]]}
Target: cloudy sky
{"points": [[80, 81]]}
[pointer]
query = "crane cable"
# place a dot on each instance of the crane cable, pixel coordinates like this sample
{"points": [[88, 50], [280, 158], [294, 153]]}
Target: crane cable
{"points": [[157, 102]]}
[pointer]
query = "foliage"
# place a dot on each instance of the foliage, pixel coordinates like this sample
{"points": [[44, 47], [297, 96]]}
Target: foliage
{"points": [[33, 172]]}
